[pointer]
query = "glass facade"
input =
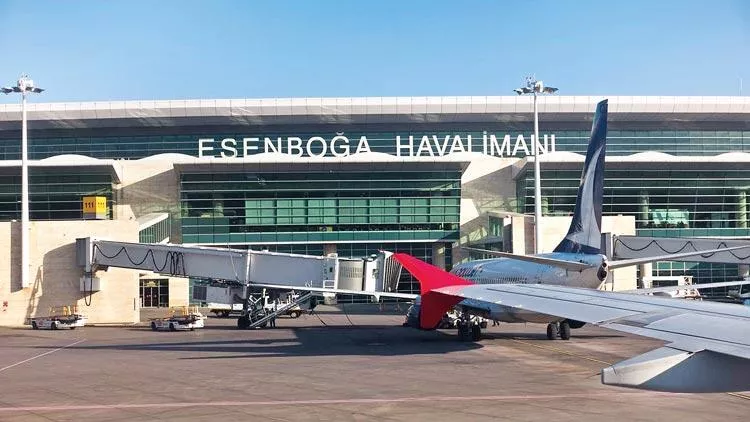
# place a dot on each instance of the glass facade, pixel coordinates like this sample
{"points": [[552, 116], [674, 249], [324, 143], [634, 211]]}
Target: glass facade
{"points": [[53, 195], [666, 203], [620, 142], [702, 272], [320, 207], [691, 143]]}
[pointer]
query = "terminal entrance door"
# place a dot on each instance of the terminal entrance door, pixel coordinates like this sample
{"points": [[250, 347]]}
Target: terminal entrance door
{"points": [[154, 293]]}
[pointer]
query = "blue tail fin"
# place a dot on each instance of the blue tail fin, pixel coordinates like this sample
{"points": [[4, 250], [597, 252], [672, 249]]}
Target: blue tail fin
{"points": [[584, 235]]}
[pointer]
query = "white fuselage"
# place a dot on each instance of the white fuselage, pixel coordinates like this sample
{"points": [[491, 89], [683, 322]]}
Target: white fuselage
{"points": [[513, 271]]}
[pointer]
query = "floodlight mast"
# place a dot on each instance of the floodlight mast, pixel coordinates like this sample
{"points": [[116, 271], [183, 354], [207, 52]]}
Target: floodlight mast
{"points": [[536, 88], [24, 86]]}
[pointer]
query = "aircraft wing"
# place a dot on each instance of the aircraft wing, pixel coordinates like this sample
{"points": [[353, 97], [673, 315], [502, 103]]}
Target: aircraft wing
{"points": [[708, 346], [707, 350]]}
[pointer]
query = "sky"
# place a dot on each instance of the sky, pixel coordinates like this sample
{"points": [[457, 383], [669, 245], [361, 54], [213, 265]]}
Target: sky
{"points": [[184, 49]]}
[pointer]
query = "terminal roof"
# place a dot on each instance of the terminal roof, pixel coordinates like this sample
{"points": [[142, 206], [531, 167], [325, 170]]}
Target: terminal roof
{"points": [[371, 110], [67, 163]]}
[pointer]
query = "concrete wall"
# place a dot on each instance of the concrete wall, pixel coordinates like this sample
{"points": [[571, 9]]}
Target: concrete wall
{"points": [[487, 185], [55, 276], [179, 291], [149, 185]]}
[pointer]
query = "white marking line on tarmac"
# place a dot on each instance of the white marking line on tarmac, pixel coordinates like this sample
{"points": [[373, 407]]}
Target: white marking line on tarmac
{"points": [[648, 394], [40, 355]]}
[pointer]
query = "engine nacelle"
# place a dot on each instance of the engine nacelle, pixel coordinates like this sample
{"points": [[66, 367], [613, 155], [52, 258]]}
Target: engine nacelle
{"points": [[575, 324], [603, 271]]}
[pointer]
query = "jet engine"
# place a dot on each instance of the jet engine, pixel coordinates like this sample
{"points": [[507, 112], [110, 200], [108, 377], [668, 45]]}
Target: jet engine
{"points": [[603, 271]]}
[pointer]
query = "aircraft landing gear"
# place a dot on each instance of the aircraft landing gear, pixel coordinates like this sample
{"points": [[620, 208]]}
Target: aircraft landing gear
{"points": [[552, 331], [565, 330], [468, 330], [476, 332], [464, 331], [561, 329]]}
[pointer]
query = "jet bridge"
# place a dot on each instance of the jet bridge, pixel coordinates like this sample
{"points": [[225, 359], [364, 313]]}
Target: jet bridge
{"points": [[379, 273], [627, 247]]}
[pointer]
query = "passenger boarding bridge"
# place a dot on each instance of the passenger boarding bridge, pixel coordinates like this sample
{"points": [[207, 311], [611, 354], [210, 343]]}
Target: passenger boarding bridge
{"points": [[246, 268]]}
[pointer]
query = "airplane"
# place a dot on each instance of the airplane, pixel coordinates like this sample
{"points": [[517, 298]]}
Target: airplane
{"points": [[576, 262], [708, 350]]}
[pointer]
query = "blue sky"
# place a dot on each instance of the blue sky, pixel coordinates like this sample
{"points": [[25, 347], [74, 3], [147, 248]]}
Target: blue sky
{"points": [[176, 49]]}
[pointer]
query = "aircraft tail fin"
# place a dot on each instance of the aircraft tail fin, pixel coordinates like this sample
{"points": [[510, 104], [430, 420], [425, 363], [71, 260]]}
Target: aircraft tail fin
{"points": [[433, 304], [584, 234]]}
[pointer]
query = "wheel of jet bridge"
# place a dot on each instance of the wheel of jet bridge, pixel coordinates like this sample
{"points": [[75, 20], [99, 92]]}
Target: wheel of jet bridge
{"points": [[243, 322]]}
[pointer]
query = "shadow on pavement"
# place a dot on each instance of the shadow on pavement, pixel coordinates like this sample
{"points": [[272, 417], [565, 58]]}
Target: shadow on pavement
{"points": [[306, 341]]}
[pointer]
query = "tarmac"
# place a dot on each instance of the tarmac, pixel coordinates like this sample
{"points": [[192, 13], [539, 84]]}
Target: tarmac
{"points": [[331, 366]]}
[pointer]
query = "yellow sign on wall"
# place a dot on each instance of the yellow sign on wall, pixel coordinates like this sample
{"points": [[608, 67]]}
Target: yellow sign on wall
{"points": [[95, 207]]}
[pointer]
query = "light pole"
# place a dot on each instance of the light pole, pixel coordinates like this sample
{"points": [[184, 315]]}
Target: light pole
{"points": [[24, 86], [536, 88]]}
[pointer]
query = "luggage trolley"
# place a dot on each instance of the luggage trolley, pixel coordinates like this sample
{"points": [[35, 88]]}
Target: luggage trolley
{"points": [[180, 318], [60, 317]]}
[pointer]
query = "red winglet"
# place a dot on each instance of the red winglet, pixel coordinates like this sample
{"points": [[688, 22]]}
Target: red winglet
{"points": [[434, 305]]}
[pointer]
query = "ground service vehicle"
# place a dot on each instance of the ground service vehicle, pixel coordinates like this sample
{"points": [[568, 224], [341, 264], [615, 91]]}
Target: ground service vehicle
{"points": [[180, 318], [60, 317]]}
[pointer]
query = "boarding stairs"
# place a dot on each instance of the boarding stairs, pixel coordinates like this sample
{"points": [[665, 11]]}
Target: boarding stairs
{"points": [[280, 310]]}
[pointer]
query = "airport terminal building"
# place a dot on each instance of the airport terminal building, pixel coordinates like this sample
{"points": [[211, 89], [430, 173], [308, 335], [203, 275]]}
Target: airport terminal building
{"points": [[422, 175]]}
